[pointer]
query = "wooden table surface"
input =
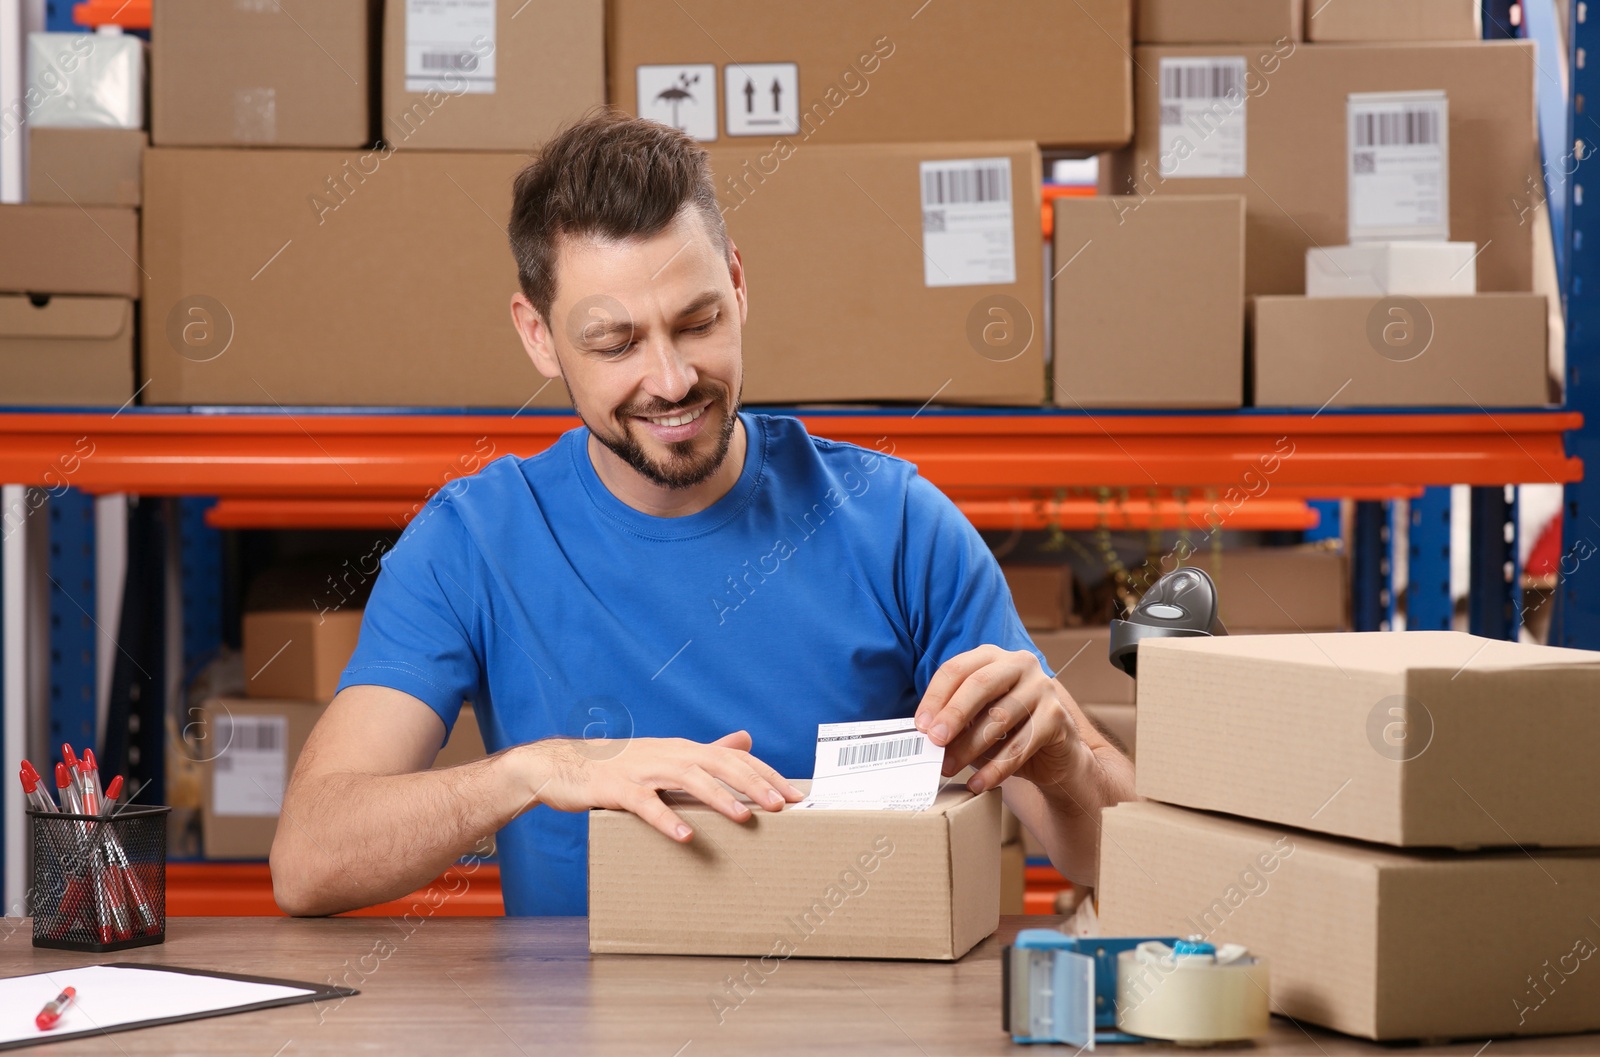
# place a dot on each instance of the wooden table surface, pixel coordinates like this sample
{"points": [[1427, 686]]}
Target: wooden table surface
{"points": [[486, 986]]}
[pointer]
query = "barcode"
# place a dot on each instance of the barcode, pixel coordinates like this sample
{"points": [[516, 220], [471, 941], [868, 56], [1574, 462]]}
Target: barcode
{"points": [[1398, 128], [1212, 81], [441, 60], [878, 751], [248, 735], [982, 183]]}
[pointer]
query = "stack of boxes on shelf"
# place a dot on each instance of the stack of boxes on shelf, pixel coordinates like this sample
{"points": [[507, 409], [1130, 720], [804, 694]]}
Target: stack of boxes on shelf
{"points": [[1407, 825]]}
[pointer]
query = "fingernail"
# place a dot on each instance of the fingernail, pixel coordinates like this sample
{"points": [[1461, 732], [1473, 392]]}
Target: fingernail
{"points": [[795, 791], [922, 723], [977, 783], [939, 733], [682, 832], [774, 797]]}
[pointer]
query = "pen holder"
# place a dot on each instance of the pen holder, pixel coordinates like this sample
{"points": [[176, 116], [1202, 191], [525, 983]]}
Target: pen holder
{"points": [[99, 881]]}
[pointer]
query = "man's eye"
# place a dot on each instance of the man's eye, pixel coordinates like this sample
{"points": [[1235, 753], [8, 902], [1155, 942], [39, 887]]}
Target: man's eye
{"points": [[703, 327], [614, 352]]}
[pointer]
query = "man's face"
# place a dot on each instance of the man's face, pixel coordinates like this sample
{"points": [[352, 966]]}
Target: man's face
{"points": [[646, 334]]}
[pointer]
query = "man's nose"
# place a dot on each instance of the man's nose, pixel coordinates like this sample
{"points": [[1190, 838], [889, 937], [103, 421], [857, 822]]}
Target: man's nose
{"points": [[671, 375]]}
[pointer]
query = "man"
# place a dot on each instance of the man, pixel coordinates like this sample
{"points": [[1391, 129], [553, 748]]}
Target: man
{"points": [[671, 597]]}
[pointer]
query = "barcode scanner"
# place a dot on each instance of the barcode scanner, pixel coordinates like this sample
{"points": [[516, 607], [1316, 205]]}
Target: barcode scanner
{"points": [[1181, 605]]}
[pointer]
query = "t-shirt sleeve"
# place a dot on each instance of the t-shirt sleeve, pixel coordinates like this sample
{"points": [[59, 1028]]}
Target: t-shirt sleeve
{"points": [[956, 597], [416, 633]]}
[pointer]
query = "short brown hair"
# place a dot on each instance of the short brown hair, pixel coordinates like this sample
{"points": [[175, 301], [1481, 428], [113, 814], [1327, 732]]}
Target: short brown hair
{"points": [[611, 176]]}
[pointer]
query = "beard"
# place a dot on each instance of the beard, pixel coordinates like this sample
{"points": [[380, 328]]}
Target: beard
{"points": [[681, 468]]}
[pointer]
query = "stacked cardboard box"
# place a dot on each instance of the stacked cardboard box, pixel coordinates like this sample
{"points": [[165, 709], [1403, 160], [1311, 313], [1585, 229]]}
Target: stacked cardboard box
{"points": [[1407, 825], [1042, 594]]}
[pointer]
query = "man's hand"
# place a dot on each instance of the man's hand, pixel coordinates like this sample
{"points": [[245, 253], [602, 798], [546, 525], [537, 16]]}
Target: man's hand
{"points": [[575, 775], [998, 711]]}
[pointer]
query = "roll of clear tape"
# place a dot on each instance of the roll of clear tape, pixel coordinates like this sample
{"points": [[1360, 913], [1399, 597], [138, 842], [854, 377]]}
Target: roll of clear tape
{"points": [[1192, 1000]]}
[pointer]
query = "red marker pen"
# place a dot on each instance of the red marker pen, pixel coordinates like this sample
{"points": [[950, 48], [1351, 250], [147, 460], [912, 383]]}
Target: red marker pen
{"points": [[70, 758], [34, 790], [51, 1013], [124, 869]]}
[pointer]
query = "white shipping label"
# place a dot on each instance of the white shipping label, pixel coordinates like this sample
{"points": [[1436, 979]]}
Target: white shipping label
{"points": [[1399, 169], [968, 231], [684, 97], [763, 98], [878, 765], [1203, 117], [249, 774], [450, 46]]}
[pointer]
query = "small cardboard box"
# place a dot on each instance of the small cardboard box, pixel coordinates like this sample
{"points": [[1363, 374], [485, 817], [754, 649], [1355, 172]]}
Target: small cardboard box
{"points": [[1280, 588], [1217, 21], [841, 71], [1081, 659], [1149, 301], [66, 351], [1414, 738], [85, 166], [506, 81], [810, 884], [1013, 878], [1286, 147], [1488, 350], [298, 654], [262, 74], [927, 258], [1042, 594], [1367, 940], [1355, 21], [93, 251]]}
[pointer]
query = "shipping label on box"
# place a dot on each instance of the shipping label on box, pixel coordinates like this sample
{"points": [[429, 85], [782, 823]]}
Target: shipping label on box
{"points": [[250, 773], [967, 223], [1399, 166], [454, 37], [1203, 116]]}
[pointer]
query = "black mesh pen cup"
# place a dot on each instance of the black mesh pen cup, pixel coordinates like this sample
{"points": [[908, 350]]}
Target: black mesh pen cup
{"points": [[99, 881]]}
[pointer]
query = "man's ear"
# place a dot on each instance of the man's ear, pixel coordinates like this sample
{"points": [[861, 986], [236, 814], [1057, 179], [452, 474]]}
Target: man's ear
{"points": [[741, 292], [537, 340]]}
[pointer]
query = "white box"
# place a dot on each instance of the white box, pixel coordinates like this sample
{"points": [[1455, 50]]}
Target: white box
{"points": [[1380, 269], [85, 80]]}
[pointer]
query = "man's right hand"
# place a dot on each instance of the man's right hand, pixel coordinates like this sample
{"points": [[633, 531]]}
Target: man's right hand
{"points": [[576, 775]]}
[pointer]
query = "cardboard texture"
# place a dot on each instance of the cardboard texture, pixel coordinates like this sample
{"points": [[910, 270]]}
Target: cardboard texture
{"points": [[808, 884], [548, 62], [1296, 143], [1013, 878], [840, 303], [1417, 738], [93, 250], [290, 73], [1042, 594], [1218, 21], [1081, 658], [1280, 588], [298, 654], [1483, 351], [1392, 20], [66, 351], [1117, 720], [85, 166], [863, 73], [1366, 940], [326, 278], [1149, 302]]}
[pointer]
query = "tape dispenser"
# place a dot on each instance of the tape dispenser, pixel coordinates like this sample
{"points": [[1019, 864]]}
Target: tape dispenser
{"points": [[1087, 989]]}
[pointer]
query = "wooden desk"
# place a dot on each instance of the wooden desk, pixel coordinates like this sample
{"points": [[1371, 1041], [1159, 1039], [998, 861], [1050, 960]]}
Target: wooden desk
{"points": [[482, 987]]}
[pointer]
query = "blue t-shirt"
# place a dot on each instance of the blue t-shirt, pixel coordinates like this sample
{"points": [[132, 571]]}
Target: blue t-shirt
{"points": [[826, 586]]}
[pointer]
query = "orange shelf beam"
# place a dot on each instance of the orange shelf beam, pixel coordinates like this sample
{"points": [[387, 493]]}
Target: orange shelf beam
{"points": [[244, 889]]}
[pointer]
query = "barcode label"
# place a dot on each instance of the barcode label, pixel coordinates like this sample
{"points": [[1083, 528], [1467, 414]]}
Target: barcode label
{"points": [[252, 763], [1220, 79], [1202, 116], [450, 45], [878, 751], [1407, 128], [434, 60], [968, 237], [988, 183], [250, 733], [1398, 168]]}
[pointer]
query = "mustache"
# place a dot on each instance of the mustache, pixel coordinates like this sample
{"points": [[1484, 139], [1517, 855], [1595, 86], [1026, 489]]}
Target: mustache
{"points": [[658, 408]]}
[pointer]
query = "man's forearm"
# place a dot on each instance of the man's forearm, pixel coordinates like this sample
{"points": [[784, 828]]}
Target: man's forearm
{"points": [[348, 840], [1072, 836]]}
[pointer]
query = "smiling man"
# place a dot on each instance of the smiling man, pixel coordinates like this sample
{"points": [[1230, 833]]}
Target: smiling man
{"points": [[671, 597]]}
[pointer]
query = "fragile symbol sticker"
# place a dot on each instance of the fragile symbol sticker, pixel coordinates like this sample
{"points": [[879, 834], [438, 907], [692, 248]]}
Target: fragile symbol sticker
{"points": [[684, 97], [763, 98]]}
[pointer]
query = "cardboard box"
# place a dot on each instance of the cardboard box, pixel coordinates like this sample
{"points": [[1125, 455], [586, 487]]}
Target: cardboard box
{"points": [[1412, 738], [852, 298], [848, 72], [1482, 351], [1393, 20], [507, 82], [1217, 21], [263, 74], [1013, 878], [1081, 658], [1294, 148], [1042, 594], [809, 884], [93, 250], [1118, 720], [465, 741], [1366, 940], [298, 654], [1382, 269], [85, 166], [66, 351], [1280, 588], [327, 278], [1149, 301]]}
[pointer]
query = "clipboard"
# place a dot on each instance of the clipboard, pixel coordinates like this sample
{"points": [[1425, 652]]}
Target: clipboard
{"points": [[255, 992]]}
